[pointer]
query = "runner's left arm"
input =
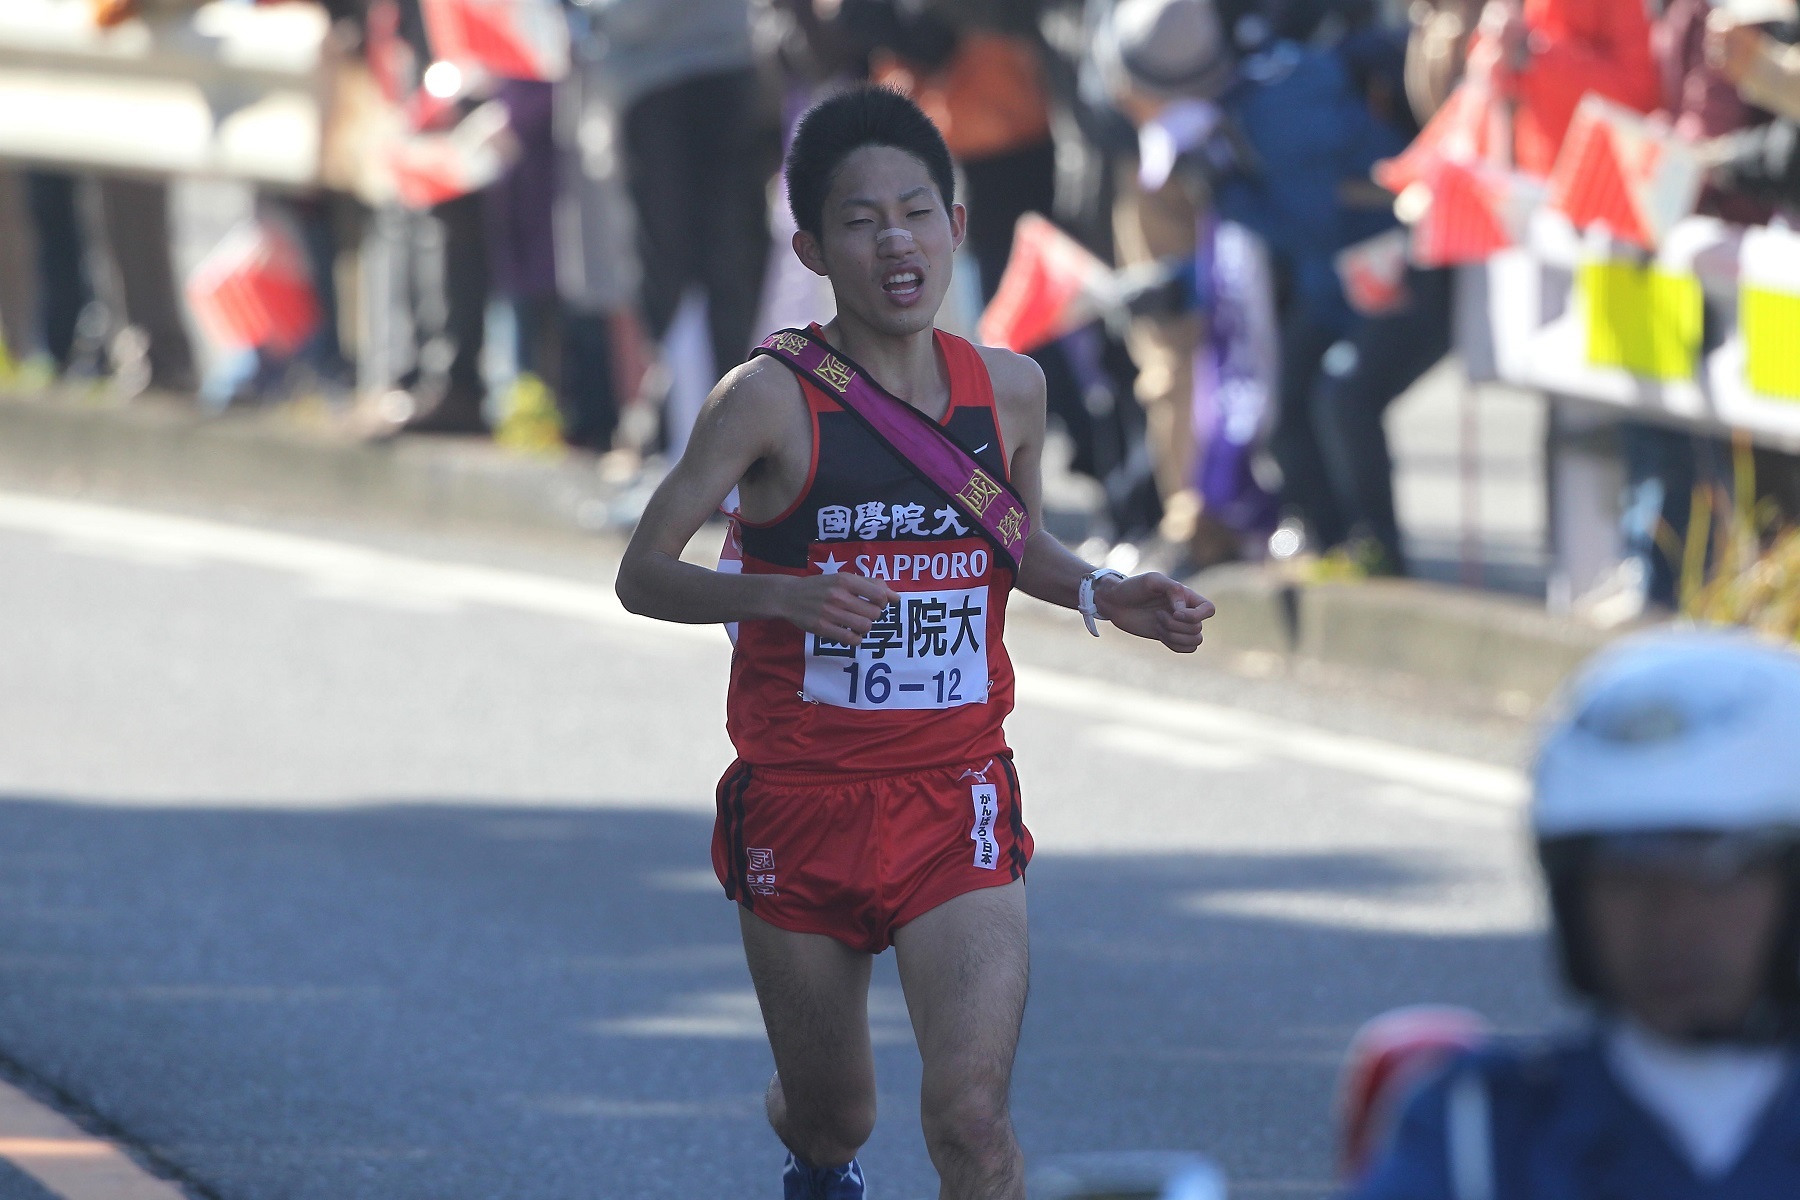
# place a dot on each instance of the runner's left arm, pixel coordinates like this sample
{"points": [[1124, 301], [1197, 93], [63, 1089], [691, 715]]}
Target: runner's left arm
{"points": [[1150, 605]]}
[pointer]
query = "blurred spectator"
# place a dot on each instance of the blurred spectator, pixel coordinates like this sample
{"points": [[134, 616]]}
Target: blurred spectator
{"points": [[1765, 71], [597, 273], [1525, 53], [135, 217], [102, 270], [427, 272], [1701, 101], [1312, 139], [64, 288], [1151, 56], [699, 152], [1759, 161], [1545, 55], [1437, 47], [520, 234], [439, 271], [1386, 353], [18, 277]]}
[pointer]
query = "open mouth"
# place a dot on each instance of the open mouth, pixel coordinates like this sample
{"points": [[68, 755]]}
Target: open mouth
{"points": [[903, 285]]}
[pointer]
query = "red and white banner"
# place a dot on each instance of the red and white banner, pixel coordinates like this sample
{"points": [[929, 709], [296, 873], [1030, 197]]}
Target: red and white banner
{"points": [[1052, 285], [254, 290], [513, 39], [1622, 170]]}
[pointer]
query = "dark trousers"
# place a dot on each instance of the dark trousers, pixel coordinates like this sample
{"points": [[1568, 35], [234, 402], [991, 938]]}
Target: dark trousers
{"points": [[1001, 189], [136, 217], [697, 168], [1662, 468], [441, 260], [1306, 489], [465, 290], [1386, 356], [63, 285], [587, 397], [572, 353]]}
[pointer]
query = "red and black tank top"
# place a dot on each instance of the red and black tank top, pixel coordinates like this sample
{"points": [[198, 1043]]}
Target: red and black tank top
{"points": [[931, 683]]}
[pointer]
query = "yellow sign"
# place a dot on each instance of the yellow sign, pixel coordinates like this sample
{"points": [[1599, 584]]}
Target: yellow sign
{"points": [[979, 492], [789, 343], [1771, 325], [1644, 320]]}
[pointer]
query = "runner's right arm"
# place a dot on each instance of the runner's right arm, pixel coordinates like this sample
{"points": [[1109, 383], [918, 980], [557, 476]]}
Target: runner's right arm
{"points": [[746, 423]]}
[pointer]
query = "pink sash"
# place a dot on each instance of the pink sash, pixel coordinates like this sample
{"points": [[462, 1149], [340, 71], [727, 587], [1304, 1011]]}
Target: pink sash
{"points": [[919, 441]]}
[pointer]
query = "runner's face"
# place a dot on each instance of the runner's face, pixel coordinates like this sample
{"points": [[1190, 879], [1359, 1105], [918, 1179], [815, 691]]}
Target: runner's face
{"points": [[891, 281]]}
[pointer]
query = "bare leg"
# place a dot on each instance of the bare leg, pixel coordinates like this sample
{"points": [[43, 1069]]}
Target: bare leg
{"points": [[964, 966], [814, 993]]}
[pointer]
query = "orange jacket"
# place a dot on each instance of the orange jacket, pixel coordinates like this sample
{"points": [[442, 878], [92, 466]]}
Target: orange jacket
{"points": [[1577, 46], [988, 99]]}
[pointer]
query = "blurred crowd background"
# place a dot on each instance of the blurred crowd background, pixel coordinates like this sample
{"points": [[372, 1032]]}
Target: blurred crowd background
{"points": [[564, 220]]}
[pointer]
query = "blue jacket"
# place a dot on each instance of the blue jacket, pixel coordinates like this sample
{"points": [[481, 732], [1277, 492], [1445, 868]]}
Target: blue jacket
{"points": [[1309, 132], [1563, 1129]]}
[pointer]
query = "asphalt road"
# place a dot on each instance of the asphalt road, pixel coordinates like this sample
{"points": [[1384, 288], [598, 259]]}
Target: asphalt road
{"points": [[353, 862]]}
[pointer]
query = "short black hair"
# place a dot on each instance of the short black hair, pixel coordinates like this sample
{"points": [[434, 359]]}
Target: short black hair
{"points": [[835, 128]]}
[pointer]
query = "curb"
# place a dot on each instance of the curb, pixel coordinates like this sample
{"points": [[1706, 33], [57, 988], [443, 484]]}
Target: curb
{"points": [[1503, 647], [272, 463]]}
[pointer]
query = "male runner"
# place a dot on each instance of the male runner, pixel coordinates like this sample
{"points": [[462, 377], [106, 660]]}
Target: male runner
{"points": [[874, 801]]}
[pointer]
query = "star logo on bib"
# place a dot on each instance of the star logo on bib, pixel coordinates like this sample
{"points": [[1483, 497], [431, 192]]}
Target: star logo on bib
{"points": [[831, 566]]}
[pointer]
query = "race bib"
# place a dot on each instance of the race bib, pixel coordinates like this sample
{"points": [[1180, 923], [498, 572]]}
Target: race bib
{"points": [[928, 649]]}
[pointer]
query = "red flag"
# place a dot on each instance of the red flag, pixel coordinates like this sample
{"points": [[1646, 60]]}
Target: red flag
{"points": [[1051, 286], [514, 39], [1461, 129], [1463, 223], [1588, 183], [254, 290], [1625, 171]]}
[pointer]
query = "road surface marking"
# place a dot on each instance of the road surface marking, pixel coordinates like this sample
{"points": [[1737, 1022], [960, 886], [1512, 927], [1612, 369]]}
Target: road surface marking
{"points": [[67, 1160], [337, 569], [1188, 732], [1258, 735], [1422, 911]]}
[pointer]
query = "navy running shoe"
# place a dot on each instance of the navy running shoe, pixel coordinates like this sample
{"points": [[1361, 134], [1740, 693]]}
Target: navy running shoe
{"points": [[802, 1182]]}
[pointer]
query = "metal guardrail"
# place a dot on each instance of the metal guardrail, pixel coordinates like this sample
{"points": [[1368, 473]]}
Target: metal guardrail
{"points": [[226, 90]]}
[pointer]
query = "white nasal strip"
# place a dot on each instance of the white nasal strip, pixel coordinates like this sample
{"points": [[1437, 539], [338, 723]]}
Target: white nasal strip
{"points": [[987, 808]]}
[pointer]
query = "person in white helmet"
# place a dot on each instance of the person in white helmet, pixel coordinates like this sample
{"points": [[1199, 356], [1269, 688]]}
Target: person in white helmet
{"points": [[1667, 821]]}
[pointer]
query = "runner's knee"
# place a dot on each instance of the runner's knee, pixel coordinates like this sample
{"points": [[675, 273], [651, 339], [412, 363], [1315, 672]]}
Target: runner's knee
{"points": [[829, 1139], [968, 1120], [824, 1132]]}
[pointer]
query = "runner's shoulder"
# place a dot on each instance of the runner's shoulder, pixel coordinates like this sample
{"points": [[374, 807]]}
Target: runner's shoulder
{"points": [[758, 393], [1018, 380]]}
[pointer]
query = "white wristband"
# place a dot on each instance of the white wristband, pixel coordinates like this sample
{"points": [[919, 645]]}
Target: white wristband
{"points": [[1084, 595]]}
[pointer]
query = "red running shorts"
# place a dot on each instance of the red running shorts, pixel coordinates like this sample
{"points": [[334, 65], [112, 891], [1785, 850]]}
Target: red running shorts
{"points": [[857, 857]]}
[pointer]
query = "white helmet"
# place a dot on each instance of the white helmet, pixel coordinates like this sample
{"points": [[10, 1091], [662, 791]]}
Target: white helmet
{"points": [[1694, 731], [1689, 733]]}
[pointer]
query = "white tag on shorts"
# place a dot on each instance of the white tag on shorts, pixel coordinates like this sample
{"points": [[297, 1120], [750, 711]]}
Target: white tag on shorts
{"points": [[987, 811]]}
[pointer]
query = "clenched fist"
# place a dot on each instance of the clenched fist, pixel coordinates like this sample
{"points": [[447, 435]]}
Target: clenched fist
{"points": [[838, 608]]}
